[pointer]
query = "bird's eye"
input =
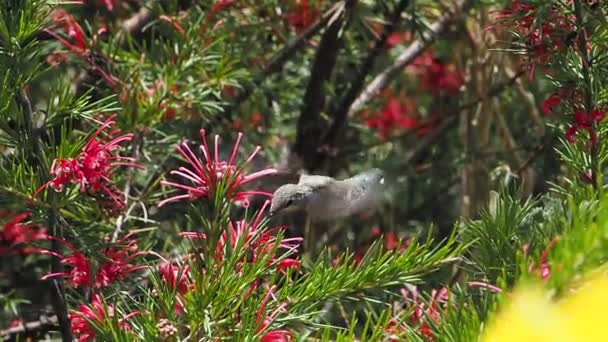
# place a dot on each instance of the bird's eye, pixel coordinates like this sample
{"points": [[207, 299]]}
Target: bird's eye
{"points": [[289, 203]]}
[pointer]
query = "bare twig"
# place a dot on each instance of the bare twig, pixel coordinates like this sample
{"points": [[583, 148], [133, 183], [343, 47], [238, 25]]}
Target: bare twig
{"points": [[408, 56], [278, 60], [135, 148], [341, 114], [309, 123]]}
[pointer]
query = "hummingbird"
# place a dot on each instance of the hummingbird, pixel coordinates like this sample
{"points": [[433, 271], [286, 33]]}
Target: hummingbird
{"points": [[325, 199]]}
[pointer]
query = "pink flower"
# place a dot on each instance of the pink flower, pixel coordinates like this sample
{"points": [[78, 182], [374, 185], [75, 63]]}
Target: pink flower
{"points": [[118, 262], [543, 268], [214, 176], [170, 273], [15, 234], [96, 313], [277, 336], [93, 166]]}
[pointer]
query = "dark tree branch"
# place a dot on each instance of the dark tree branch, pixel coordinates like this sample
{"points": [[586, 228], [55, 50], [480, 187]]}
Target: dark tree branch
{"points": [[340, 115], [408, 56], [309, 126], [278, 60]]}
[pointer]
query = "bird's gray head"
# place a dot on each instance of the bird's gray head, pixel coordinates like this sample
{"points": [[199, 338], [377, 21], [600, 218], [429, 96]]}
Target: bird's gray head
{"points": [[289, 197]]}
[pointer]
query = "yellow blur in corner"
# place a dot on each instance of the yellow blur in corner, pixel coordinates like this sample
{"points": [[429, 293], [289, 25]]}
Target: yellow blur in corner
{"points": [[530, 315]]}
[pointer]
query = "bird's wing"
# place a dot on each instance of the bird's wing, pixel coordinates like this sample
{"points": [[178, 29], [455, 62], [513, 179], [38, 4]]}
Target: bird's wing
{"points": [[314, 181]]}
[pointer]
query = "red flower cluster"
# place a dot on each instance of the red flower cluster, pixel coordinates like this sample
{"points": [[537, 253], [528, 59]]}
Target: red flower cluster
{"points": [[176, 278], [585, 121], [397, 114], [542, 38], [116, 264], [214, 174], [15, 235], [435, 76], [93, 166], [400, 112], [301, 15], [422, 311], [254, 121], [98, 313]]}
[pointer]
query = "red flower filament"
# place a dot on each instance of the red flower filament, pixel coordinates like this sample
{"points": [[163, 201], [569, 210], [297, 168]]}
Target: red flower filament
{"points": [[209, 176]]}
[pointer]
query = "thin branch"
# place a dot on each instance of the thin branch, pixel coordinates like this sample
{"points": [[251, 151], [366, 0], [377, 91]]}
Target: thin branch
{"points": [[58, 298], [415, 49], [309, 123], [341, 114], [30, 329], [57, 283], [281, 57]]}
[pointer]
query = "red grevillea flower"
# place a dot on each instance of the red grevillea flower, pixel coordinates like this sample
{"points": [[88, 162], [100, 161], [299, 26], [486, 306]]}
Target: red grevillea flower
{"points": [[301, 15], [542, 39], [259, 242], [585, 121], [77, 43], [15, 234], [543, 267], [218, 6], [99, 313], [93, 166], [264, 320], [214, 175], [549, 103], [117, 262], [436, 76], [115, 266], [176, 278], [80, 273], [424, 311], [395, 115], [277, 336]]}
